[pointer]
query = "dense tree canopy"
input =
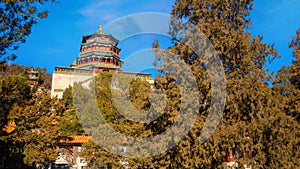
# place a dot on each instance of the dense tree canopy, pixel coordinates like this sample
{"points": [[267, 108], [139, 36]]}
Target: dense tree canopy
{"points": [[288, 80], [27, 110], [14, 88], [254, 126], [260, 125], [138, 93], [37, 128]]}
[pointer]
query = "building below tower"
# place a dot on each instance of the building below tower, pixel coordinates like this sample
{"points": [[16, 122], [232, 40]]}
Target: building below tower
{"points": [[99, 52]]}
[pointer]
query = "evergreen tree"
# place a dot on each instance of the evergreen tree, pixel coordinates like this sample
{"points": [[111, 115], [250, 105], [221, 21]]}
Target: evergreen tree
{"points": [[109, 108], [288, 81], [13, 90], [69, 123], [68, 98], [37, 129], [17, 19], [253, 125], [284, 145]]}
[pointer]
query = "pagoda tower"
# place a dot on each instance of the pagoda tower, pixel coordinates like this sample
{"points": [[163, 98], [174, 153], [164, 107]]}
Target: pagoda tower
{"points": [[99, 52]]}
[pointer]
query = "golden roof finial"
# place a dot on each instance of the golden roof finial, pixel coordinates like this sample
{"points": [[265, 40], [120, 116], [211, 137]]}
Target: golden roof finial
{"points": [[100, 29]]}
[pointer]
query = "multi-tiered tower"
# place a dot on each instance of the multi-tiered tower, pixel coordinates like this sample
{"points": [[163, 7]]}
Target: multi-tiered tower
{"points": [[98, 52]]}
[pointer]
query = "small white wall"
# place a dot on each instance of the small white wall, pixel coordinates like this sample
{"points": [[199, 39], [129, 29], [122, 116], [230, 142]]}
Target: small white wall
{"points": [[62, 80]]}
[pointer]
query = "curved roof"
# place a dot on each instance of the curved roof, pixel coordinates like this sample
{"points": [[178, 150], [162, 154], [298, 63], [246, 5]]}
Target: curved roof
{"points": [[78, 139], [97, 34]]}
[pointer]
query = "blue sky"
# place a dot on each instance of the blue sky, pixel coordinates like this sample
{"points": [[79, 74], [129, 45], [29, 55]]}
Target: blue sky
{"points": [[55, 41]]}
